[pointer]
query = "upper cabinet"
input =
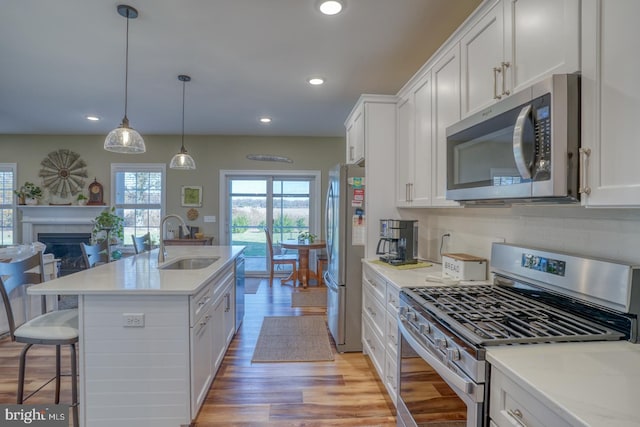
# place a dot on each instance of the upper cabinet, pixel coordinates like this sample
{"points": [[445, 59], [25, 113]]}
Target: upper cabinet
{"points": [[430, 105], [414, 145], [356, 136], [610, 103], [514, 44]]}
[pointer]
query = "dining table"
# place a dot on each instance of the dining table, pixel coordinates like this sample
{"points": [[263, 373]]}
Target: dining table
{"points": [[303, 247]]}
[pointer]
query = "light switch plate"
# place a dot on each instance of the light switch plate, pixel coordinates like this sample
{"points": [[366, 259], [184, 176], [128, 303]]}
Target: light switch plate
{"points": [[209, 218]]}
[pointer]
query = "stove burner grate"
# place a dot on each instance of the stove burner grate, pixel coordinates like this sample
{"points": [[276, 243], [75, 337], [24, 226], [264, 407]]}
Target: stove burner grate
{"points": [[491, 315]]}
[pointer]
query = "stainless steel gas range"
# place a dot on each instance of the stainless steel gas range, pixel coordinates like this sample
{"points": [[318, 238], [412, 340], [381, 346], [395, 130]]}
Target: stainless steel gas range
{"points": [[537, 296]]}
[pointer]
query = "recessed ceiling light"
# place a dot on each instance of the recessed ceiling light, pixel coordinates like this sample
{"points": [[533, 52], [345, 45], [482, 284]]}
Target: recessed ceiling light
{"points": [[92, 118], [315, 81], [265, 120], [331, 7]]}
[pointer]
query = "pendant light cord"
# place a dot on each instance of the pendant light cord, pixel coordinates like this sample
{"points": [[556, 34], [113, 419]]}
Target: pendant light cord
{"points": [[184, 82], [126, 68]]}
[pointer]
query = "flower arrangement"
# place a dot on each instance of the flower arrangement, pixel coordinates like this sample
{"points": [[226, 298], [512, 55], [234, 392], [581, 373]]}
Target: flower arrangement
{"points": [[108, 221], [305, 235], [28, 191]]}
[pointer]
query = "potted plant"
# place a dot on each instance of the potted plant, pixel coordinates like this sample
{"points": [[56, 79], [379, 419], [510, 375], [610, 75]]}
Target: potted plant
{"points": [[108, 224], [28, 194], [81, 199], [305, 235]]}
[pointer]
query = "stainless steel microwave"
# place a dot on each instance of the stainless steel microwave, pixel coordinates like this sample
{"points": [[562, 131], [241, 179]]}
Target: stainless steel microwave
{"points": [[521, 149]]}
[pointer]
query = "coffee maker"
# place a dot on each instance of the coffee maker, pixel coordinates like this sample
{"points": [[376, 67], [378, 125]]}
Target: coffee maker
{"points": [[398, 242]]}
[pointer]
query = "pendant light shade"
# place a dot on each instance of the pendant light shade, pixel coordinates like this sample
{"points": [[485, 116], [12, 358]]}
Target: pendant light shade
{"points": [[125, 139], [182, 160]]}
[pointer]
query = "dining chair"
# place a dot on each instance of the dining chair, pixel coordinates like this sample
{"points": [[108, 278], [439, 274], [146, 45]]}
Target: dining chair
{"points": [[139, 242], [49, 328], [95, 254], [281, 259], [321, 262]]}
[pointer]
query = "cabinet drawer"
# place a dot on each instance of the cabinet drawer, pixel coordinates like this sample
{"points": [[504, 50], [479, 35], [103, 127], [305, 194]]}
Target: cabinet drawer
{"points": [[393, 299], [374, 348], [374, 311], [199, 303], [512, 405], [375, 282]]}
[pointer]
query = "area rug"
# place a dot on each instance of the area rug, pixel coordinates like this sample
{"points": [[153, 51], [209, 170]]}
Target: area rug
{"points": [[293, 339], [251, 285], [309, 298]]}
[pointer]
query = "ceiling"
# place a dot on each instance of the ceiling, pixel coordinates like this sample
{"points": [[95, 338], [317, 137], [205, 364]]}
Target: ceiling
{"points": [[65, 59]]}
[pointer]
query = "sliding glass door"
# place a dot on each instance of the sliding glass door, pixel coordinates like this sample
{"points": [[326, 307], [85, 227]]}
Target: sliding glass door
{"points": [[287, 205]]}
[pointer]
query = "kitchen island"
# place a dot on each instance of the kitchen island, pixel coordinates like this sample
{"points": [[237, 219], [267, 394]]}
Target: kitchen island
{"points": [[151, 339]]}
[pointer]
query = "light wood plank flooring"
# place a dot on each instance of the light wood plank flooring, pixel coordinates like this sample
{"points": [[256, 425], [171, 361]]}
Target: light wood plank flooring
{"points": [[343, 392]]}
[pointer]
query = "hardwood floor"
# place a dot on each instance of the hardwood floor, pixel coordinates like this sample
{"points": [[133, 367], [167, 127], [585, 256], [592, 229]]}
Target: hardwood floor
{"points": [[343, 392]]}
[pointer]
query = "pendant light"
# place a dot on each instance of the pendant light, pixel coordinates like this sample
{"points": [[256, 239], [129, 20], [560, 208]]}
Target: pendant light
{"points": [[125, 139], [182, 160]]}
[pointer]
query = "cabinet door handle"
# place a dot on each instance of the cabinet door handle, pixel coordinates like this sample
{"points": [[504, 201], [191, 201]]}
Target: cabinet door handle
{"points": [[516, 415], [584, 188], [351, 153], [504, 66], [496, 70]]}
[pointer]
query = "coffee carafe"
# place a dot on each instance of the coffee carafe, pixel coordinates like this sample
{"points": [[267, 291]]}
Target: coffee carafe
{"points": [[398, 242]]}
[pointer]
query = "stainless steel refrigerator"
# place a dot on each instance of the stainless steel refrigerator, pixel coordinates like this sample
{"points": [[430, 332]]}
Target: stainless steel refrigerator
{"points": [[344, 222]]}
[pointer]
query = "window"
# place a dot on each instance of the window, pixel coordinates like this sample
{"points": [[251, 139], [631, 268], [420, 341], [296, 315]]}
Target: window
{"points": [[138, 194], [7, 203]]}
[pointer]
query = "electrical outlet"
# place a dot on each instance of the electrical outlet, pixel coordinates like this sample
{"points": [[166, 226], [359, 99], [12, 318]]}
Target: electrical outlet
{"points": [[133, 320], [209, 218]]}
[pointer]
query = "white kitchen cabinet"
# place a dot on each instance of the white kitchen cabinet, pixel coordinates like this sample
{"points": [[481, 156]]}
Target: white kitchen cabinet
{"points": [[610, 103], [201, 347], [380, 327], [404, 150], [356, 136], [223, 317], [446, 111], [413, 149], [511, 405], [516, 43], [377, 115]]}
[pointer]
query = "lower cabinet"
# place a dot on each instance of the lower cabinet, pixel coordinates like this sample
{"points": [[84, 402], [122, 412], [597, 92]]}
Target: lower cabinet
{"points": [[380, 327], [211, 334], [511, 405]]}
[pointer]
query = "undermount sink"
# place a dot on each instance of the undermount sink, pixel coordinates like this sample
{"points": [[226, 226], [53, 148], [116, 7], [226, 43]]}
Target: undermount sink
{"points": [[189, 263]]}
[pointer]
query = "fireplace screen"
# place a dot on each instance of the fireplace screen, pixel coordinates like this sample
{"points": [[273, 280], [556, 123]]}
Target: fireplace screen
{"points": [[66, 248]]}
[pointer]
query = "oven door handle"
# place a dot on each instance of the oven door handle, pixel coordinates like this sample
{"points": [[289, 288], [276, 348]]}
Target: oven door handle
{"points": [[466, 386]]}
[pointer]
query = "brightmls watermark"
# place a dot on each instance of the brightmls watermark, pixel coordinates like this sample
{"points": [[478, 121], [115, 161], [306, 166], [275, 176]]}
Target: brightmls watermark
{"points": [[34, 415]]}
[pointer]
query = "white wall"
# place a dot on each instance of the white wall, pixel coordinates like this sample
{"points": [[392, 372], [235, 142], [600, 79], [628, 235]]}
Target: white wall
{"points": [[603, 233]]}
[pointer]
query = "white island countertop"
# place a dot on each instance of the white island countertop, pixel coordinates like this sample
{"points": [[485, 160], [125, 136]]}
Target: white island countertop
{"points": [[140, 274], [587, 384]]}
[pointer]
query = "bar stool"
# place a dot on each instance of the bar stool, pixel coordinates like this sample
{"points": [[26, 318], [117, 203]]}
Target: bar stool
{"points": [[95, 254], [53, 328]]}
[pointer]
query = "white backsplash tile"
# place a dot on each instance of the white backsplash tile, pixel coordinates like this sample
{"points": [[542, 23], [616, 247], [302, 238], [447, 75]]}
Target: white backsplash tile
{"points": [[603, 233]]}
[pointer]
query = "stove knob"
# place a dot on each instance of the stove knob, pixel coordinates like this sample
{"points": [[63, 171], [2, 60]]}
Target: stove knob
{"points": [[425, 329], [441, 343], [412, 316], [453, 354]]}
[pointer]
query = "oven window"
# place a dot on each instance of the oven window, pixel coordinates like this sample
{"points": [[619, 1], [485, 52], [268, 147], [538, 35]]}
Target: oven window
{"points": [[429, 399]]}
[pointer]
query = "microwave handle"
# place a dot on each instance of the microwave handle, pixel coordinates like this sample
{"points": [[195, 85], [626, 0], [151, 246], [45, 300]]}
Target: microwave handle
{"points": [[518, 143]]}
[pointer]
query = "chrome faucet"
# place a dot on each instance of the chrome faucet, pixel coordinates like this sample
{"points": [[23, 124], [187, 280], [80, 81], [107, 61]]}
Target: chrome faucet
{"points": [[162, 253]]}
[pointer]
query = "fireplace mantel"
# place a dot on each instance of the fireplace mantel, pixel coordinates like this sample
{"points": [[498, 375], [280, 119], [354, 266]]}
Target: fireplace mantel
{"points": [[43, 218]]}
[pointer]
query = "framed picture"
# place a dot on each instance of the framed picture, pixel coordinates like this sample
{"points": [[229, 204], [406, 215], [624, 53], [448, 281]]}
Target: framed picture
{"points": [[192, 196]]}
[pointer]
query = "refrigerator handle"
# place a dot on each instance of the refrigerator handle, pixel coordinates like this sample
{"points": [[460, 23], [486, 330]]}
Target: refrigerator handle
{"points": [[327, 233]]}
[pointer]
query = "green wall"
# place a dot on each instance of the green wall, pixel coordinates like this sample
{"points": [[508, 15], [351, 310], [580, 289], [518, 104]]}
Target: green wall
{"points": [[211, 153]]}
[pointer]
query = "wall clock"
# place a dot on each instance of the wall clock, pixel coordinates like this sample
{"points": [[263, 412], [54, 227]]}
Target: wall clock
{"points": [[63, 172], [96, 193]]}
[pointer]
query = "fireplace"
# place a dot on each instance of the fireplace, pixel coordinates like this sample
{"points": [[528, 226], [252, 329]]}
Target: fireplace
{"points": [[66, 247]]}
